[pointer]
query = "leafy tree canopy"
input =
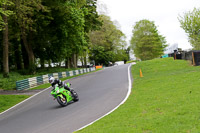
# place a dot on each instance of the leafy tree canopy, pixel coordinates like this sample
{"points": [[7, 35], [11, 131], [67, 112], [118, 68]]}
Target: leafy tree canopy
{"points": [[190, 22], [146, 41], [107, 43], [4, 11]]}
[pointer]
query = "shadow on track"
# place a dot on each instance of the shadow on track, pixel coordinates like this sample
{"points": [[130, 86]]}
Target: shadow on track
{"points": [[59, 107]]}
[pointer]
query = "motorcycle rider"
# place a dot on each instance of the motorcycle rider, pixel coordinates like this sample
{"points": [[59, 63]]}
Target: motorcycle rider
{"points": [[54, 81]]}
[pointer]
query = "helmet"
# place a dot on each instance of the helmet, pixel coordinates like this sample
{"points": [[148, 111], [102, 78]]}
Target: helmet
{"points": [[51, 79]]}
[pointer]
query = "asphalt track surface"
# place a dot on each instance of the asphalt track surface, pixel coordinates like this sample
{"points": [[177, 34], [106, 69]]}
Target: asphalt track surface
{"points": [[99, 93]]}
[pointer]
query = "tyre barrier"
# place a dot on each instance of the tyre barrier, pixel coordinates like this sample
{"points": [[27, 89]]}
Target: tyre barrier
{"points": [[36, 81]]}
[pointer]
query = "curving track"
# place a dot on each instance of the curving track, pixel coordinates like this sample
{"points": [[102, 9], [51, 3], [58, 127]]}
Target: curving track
{"points": [[99, 92]]}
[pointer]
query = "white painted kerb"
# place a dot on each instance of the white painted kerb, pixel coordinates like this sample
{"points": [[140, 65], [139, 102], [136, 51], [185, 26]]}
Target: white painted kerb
{"points": [[128, 93]]}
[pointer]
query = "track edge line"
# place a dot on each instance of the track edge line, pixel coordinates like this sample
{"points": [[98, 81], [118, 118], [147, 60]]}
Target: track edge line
{"points": [[128, 93]]}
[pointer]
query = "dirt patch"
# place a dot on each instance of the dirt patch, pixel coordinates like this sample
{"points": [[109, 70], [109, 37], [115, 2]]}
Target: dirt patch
{"points": [[22, 92]]}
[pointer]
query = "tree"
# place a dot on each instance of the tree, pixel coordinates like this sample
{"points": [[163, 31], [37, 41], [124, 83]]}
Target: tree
{"points": [[46, 30], [190, 22], [4, 26], [4, 12], [92, 23], [108, 36], [108, 41], [70, 29], [101, 56], [146, 42], [26, 12]]}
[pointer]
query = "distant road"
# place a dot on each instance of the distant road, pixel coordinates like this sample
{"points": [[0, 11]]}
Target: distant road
{"points": [[99, 92]]}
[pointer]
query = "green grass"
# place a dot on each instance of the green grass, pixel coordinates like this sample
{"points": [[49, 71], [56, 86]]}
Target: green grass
{"points": [[131, 61], [165, 100], [43, 86], [7, 101]]}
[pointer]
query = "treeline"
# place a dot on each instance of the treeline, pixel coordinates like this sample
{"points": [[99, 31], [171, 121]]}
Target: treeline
{"points": [[46, 31], [147, 43]]}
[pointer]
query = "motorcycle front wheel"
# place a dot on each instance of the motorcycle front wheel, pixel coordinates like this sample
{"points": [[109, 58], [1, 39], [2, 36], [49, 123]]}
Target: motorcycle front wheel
{"points": [[62, 101]]}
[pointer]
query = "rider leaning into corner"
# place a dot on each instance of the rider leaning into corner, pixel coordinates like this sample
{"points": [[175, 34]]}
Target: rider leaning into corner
{"points": [[54, 81]]}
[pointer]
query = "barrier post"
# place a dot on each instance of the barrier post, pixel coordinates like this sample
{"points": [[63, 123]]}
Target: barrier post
{"points": [[141, 75], [193, 59]]}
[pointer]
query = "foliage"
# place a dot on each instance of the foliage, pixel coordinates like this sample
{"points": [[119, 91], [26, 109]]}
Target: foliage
{"points": [[146, 42], [48, 31], [190, 22], [7, 13], [100, 55], [166, 99], [72, 21], [107, 44], [122, 55]]}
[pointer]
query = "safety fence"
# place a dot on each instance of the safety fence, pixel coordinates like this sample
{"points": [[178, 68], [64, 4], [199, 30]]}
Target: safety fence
{"points": [[193, 56], [36, 81]]}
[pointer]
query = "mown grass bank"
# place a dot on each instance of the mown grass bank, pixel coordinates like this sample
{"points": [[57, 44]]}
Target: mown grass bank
{"points": [[7, 101], [165, 100]]}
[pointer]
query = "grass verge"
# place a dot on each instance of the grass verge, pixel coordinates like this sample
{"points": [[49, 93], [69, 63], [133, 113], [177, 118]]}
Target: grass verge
{"points": [[165, 100], [7, 101]]}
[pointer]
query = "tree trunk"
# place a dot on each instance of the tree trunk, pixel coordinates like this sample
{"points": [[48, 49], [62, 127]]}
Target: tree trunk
{"points": [[24, 56], [82, 61], [5, 47], [75, 64], [42, 62], [85, 62], [66, 62], [49, 62], [70, 61], [74, 60], [29, 50], [18, 56]]}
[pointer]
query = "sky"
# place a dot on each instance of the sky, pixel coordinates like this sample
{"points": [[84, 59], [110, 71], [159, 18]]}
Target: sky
{"points": [[164, 13]]}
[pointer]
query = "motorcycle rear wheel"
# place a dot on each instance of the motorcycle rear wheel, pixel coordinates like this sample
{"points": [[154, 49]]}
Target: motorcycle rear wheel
{"points": [[62, 102]]}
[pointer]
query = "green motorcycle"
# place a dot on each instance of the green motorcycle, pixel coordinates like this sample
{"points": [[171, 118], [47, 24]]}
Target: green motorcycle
{"points": [[64, 96]]}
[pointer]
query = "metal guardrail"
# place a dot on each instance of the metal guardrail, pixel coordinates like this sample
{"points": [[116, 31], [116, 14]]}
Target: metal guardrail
{"points": [[36, 81]]}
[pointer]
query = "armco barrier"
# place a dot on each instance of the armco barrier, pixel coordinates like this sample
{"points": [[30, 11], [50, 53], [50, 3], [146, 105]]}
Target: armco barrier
{"points": [[36, 81]]}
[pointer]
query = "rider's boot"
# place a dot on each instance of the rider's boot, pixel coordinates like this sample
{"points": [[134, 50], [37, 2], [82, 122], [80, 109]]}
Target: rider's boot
{"points": [[72, 93], [67, 88]]}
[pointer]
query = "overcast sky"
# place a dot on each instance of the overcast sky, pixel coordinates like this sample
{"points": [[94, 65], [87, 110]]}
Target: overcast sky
{"points": [[163, 12]]}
